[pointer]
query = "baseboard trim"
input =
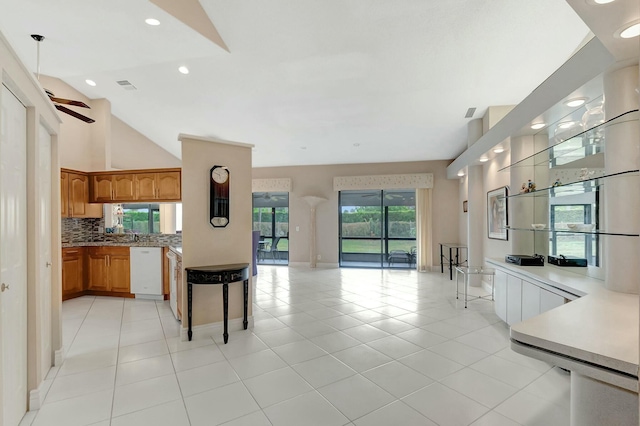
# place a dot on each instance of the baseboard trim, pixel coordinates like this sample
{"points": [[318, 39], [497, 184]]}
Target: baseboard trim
{"points": [[36, 397], [205, 331], [58, 357], [319, 265]]}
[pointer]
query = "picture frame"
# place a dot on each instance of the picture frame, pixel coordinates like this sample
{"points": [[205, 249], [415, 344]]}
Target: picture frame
{"points": [[497, 213], [465, 207]]}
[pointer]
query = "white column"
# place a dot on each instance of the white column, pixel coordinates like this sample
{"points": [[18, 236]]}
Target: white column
{"points": [[313, 201], [476, 206], [621, 195]]}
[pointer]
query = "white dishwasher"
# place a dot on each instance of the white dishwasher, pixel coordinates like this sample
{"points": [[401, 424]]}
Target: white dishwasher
{"points": [[146, 272]]}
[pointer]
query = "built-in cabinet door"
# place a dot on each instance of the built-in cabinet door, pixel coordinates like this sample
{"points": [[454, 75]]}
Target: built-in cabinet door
{"points": [[500, 294], [514, 300], [102, 189], [169, 186], [78, 195], [64, 194], [179, 286], [72, 271], [530, 300], [123, 187], [119, 273], [550, 300], [98, 274], [146, 186]]}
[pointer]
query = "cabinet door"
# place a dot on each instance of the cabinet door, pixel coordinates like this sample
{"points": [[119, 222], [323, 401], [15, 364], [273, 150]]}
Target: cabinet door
{"points": [[514, 300], [549, 300], [500, 294], [101, 188], [98, 264], [123, 188], [169, 186], [64, 194], [530, 300], [72, 271], [146, 186], [119, 273], [78, 195]]}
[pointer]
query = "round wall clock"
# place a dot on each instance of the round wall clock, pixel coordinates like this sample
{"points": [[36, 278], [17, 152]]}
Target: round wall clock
{"points": [[219, 196]]}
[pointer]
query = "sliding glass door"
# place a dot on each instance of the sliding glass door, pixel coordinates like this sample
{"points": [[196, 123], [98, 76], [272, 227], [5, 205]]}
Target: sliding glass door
{"points": [[271, 218], [377, 228]]}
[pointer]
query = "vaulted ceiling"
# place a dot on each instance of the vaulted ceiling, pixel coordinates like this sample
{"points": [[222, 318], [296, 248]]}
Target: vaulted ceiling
{"points": [[305, 81]]}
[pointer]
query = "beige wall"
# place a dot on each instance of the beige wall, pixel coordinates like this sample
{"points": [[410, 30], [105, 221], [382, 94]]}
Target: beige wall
{"points": [[318, 180], [132, 150], [202, 244], [39, 111]]}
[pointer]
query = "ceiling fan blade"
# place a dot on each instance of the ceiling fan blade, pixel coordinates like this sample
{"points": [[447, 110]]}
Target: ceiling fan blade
{"points": [[74, 114], [69, 102]]}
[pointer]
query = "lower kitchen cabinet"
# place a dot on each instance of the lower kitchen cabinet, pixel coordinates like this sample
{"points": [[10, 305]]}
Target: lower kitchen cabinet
{"points": [[72, 272], [109, 269]]}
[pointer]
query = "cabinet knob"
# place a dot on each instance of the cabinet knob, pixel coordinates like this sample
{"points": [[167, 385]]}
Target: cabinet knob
{"points": [[3, 287], [48, 264]]}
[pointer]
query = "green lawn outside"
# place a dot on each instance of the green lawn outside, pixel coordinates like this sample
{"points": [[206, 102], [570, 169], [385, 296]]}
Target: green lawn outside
{"points": [[374, 246]]}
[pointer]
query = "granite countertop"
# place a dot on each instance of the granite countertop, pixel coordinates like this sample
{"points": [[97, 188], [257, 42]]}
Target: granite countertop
{"points": [[114, 244], [601, 329]]}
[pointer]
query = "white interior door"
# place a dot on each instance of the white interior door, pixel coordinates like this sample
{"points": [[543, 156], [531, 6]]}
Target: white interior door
{"points": [[44, 251], [13, 259]]}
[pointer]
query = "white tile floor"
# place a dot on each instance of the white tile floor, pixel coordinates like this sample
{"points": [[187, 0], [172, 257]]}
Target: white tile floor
{"points": [[329, 347]]}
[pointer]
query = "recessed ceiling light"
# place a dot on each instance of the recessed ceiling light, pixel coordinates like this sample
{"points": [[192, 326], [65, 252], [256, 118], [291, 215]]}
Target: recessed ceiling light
{"points": [[152, 21], [90, 82], [537, 126], [566, 124], [575, 102], [484, 159], [603, 1], [460, 173], [498, 150], [631, 31], [183, 70]]}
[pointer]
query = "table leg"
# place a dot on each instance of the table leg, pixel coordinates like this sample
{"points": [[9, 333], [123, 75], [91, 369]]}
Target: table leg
{"points": [[189, 300], [466, 288], [441, 260], [246, 303], [450, 264], [225, 304], [457, 292]]}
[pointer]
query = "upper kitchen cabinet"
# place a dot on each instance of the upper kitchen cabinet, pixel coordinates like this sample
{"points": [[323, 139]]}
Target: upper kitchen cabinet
{"points": [[74, 196], [158, 186], [106, 188], [136, 186]]}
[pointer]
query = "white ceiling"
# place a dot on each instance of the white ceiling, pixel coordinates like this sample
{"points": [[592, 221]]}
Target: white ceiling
{"points": [[394, 76]]}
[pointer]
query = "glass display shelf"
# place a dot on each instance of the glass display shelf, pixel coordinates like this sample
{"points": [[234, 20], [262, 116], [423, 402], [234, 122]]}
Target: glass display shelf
{"points": [[574, 188], [574, 151], [572, 231]]}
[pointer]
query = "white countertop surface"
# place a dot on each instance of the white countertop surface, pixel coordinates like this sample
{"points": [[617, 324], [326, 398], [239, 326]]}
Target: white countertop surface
{"points": [[554, 276], [601, 328]]}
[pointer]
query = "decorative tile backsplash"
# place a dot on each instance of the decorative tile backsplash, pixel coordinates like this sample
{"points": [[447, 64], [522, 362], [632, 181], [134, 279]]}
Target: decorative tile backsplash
{"points": [[75, 230]]}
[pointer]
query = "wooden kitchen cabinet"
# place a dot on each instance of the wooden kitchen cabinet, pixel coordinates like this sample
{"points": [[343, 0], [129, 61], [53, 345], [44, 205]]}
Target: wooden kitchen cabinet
{"points": [[72, 272], [160, 186], [112, 188], [137, 186], [74, 196], [109, 269]]}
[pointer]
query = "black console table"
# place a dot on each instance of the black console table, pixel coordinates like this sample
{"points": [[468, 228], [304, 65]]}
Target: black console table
{"points": [[218, 274]]}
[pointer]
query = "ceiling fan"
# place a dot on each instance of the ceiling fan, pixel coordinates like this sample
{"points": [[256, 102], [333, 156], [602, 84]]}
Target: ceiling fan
{"points": [[60, 102], [274, 197]]}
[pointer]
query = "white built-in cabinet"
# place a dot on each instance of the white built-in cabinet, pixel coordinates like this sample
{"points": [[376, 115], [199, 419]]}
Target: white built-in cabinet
{"points": [[517, 299]]}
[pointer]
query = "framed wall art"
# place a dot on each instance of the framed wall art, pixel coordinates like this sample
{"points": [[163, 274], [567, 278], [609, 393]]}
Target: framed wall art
{"points": [[497, 213]]}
